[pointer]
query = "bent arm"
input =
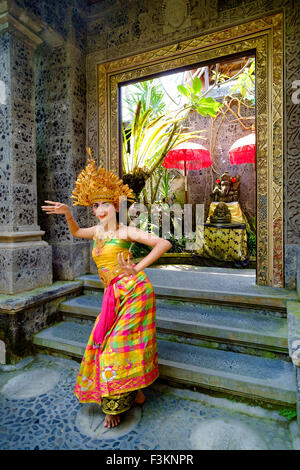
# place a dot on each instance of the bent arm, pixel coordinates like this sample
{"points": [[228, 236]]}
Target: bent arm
{"points": [[160, 246], [76, 231]]}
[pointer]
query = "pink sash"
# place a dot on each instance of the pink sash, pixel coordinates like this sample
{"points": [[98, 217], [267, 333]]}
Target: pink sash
{"points": [[107, 316]]}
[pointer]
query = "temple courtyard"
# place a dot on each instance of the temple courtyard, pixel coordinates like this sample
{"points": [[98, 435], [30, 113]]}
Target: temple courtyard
{"points": [[125, 83], [40, 411]]}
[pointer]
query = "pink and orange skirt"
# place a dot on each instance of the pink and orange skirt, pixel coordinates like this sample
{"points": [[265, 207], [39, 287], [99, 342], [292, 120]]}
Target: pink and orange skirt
{"points": [[128, 361]]}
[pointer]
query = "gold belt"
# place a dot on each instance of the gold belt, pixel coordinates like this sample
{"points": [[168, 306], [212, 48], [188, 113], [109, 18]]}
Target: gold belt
{"points": [[107, 276]]}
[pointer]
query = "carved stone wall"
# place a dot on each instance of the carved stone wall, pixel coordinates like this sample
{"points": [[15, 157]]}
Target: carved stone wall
{"points": [[106, 31], [60, 92], [142, 28], [25, 258], [61, 150]]}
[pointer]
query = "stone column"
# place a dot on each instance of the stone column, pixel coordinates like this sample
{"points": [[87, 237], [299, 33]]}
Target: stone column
{"points": [[61, 142], [25, 259]]}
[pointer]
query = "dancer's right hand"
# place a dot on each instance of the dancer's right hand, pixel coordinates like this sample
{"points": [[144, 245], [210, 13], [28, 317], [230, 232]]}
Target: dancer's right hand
{"points": [[56, 208]]}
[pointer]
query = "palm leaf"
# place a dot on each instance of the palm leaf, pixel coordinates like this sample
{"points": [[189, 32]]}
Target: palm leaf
{"points": [[136, 118]]}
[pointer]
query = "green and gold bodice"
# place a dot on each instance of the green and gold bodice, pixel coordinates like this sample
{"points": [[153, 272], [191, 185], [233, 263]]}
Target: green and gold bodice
{"points": [[105, 254]]}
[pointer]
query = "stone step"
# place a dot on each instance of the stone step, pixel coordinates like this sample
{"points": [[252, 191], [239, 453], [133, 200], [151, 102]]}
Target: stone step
{"points": [[241, 374], [271, 380], [211, 285], [202, 321]]}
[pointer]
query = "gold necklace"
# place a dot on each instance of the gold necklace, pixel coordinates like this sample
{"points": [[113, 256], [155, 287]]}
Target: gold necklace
{"points": [[101, 234], [109, 234]]}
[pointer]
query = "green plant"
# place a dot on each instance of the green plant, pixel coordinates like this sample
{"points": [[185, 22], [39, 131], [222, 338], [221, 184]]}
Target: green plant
{"points": [[146, 223], [158, 188], [251, 235], [204, 106], [150, 94], [288, 413], [218, 77], [245, 83], [178, 246], [146, 143], [139, 251], [164, 189]]}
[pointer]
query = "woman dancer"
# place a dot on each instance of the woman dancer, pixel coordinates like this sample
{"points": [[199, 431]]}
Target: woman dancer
{"points": [[121, 354]]}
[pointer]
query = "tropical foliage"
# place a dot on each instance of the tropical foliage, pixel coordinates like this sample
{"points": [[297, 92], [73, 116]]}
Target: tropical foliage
{"points": [[146, 142], [204, 106], [251, 234], [245, 83], [152, 133], [139, 251], [151, 96], [165, 182]]}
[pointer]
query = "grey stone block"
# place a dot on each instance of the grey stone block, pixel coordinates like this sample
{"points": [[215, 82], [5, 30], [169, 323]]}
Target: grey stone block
{"points": [[24, 164], [22, 215], [25, 300], [70, 259], [292, 257], [6, 211], [26, 313], [28, 265], [5, 127], [298, 275], [60, 180], [293, 316], [298, 400]]}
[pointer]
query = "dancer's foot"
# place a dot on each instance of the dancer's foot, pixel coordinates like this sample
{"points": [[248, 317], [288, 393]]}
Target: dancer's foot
{"points": [[140, 398], [111, 421]]}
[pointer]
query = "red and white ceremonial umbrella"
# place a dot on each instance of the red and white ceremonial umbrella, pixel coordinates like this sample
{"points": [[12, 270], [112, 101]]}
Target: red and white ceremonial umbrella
{"points": [[243, 150], [187, 156]]}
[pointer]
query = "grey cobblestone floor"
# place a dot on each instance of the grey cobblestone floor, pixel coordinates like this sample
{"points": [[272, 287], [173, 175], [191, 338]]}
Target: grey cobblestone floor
{"points": [[38, 410]]}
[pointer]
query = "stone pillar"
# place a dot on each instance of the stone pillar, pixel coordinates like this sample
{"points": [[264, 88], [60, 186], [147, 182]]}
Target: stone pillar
{"points": [[298, 398], [2, 352], [61, 142], [25, 259]]}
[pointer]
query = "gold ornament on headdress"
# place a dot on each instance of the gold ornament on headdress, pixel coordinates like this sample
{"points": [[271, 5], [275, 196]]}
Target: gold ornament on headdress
{"points": [[94, 184]]}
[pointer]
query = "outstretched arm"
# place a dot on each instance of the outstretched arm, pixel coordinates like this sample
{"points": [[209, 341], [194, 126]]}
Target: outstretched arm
{"points": [[59, 208]]}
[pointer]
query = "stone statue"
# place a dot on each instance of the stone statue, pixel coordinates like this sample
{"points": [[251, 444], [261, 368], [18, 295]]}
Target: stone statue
{"points": [[227, 189], [234, 192], [176, 14], [221, 214]]}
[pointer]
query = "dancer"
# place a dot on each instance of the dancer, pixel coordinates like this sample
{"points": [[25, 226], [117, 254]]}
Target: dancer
{"points": [[121, 355]]}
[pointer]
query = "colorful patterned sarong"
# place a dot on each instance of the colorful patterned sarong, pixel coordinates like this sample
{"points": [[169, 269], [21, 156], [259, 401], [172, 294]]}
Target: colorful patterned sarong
{"points": [[108, 314], [128, 360]]}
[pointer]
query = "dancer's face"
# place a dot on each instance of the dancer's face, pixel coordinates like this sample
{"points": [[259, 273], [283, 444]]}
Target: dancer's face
{"points": [[105, 212]]}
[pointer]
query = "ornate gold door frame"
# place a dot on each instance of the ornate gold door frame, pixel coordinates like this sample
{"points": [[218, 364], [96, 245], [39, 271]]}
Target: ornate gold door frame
{"points": [[265, 37]]}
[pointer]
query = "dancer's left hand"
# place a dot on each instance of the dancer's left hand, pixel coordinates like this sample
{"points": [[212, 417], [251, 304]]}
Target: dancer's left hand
{"points": [[126, 265]]}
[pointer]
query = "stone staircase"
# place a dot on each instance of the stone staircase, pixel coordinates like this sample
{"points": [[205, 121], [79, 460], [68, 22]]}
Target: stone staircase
{"points": [[216, 330]]}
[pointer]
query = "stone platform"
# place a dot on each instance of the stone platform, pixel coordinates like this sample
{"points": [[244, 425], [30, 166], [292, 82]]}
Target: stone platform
{"points": [[268, 379], [200, 283], [216, 330]]}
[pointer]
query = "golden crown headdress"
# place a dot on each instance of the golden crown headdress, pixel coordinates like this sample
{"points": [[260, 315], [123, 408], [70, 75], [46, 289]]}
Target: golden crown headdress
{"points": [[95, 184]]}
